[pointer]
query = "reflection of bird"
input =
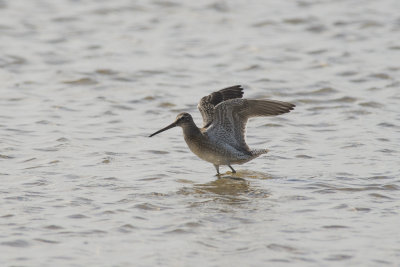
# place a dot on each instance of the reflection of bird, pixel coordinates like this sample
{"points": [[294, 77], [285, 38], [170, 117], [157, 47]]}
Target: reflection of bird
{"points": [[221, 141]]}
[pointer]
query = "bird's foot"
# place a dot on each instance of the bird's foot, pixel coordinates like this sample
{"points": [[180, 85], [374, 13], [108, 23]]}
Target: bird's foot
{"points": [[217, 169], [233, 170]]}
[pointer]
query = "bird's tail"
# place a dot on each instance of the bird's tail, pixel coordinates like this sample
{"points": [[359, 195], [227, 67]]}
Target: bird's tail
{"points": [[258, 152]]}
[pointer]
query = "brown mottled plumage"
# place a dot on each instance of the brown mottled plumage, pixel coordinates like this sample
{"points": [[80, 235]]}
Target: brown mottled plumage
{"points": [[208, 103], [221, 141]]}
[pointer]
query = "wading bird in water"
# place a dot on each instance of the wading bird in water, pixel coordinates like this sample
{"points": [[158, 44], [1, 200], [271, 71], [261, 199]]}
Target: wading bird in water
{"points": [[221, 140]]}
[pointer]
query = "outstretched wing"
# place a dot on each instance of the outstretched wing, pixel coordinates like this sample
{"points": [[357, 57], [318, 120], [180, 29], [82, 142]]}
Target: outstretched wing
{"points": [[230, 118], [208, 103]]}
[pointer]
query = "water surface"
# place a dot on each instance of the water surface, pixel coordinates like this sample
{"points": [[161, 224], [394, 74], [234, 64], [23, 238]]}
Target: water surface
{"points": [[83, 83]]}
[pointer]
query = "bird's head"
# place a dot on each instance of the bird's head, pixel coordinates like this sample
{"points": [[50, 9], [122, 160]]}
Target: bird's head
{"points": [[182, 120]]}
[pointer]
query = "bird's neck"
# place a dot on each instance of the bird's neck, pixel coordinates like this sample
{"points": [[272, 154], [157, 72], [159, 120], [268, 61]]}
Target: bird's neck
{"points": [[191, 131]]}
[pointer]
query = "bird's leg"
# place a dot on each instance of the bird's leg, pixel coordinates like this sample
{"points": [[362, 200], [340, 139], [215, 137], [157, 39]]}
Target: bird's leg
{"points": [[233, 170], [217, 168]]}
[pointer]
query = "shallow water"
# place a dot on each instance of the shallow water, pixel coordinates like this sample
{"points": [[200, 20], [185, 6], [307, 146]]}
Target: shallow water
{"points": [[83, 83]]}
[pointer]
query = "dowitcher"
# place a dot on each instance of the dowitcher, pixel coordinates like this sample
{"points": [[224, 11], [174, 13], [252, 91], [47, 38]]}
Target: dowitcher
{"points": [[221, 140]]}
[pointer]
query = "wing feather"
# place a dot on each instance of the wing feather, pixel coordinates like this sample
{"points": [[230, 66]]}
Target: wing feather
{"points": [[207, 104], [231, 116]]}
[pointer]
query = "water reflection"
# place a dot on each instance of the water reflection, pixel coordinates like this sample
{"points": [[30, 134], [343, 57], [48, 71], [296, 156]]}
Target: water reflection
{"points": [[230, 188], [227, 185], [249, 174]]}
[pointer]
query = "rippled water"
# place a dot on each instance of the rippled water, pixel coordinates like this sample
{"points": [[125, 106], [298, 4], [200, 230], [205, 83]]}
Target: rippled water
{"points": [[83, 83]]}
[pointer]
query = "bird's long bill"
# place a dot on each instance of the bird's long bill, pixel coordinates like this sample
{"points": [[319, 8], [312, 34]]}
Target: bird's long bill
{"points": [[172, 125]]}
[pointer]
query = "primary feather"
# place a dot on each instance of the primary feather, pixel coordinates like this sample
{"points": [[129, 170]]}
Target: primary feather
{"points": [[231, 116], [207, 104]]}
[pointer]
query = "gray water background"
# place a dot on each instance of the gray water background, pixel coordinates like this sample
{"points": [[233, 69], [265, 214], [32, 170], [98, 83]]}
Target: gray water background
{"points": [[83, 83]]}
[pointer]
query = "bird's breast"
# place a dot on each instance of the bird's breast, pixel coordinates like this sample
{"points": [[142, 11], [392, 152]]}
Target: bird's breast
{"points": [[202, 147], [215, 152]]}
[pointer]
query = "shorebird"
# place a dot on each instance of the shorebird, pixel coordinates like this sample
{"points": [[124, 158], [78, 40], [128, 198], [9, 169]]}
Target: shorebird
{"points": [[221, 140]]}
